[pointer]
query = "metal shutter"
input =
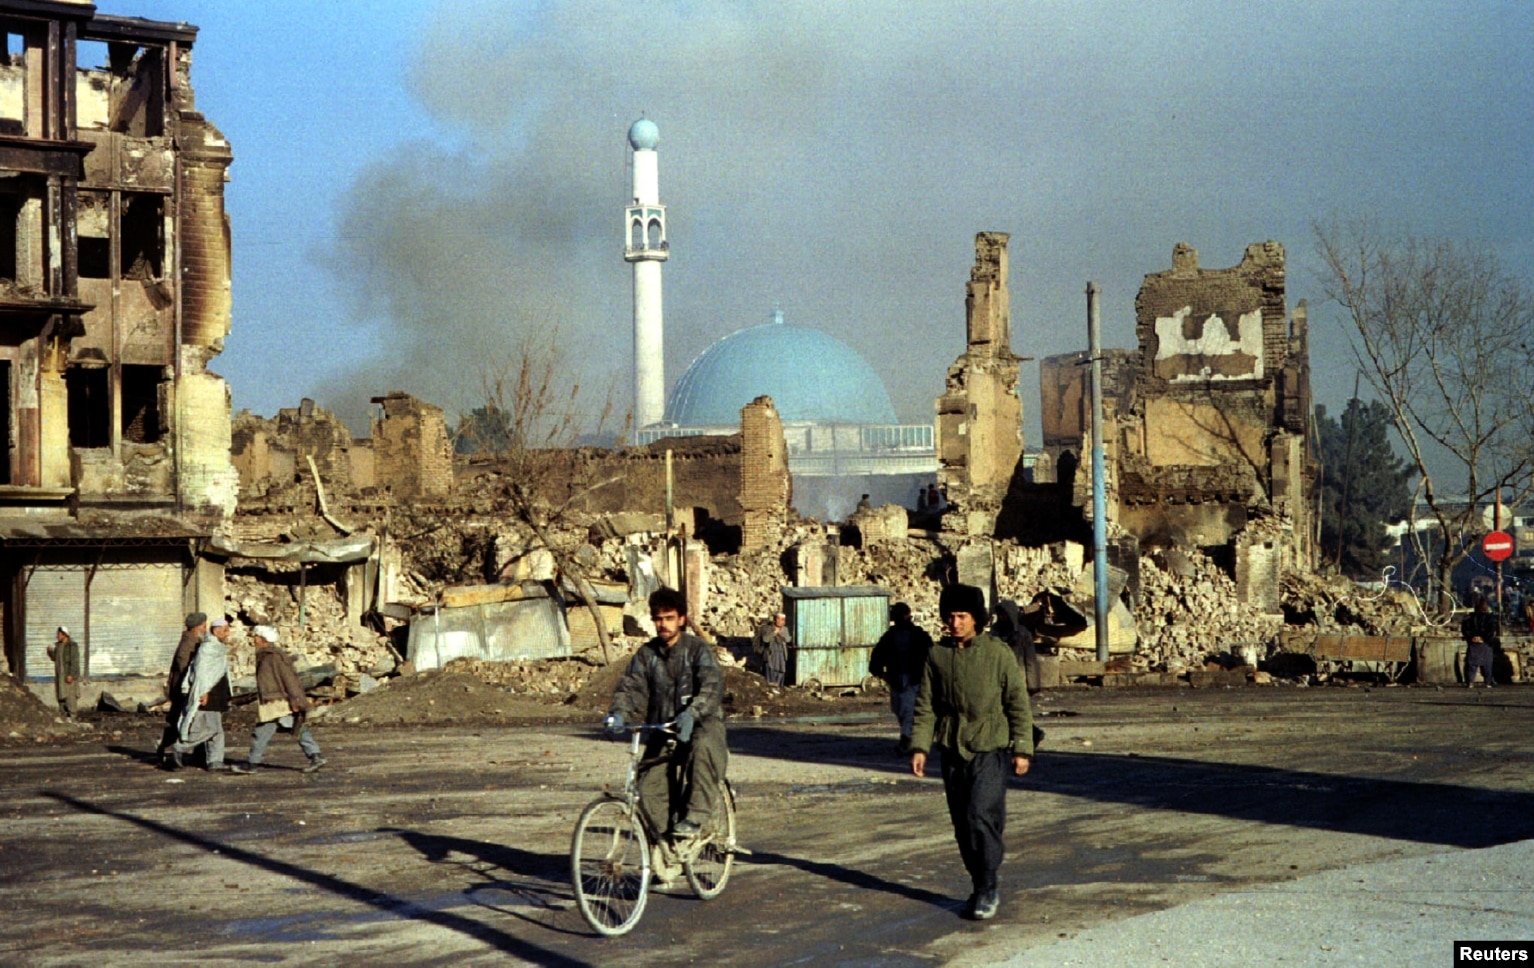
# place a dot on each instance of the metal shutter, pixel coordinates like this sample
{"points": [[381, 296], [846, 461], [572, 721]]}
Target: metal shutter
{"points": [[136, 619], [54, 596]]}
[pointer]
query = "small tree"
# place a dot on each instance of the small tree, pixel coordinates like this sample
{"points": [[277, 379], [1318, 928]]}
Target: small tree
{"points": [[1363, 487], [528, 417], [1443, 335]]}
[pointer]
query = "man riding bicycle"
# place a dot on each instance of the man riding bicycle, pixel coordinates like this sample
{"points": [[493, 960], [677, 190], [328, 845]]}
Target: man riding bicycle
{"points": [[675, 676]]}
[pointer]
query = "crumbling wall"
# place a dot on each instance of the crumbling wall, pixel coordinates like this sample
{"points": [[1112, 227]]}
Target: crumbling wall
{"points": [[272, 453], [979, 416], [412, 451], [766, 489], [705, 472], [1065, 406], [1216, 425]]}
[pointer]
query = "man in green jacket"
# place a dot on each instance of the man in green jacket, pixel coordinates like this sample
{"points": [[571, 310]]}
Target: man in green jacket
{"points": [[65, 653], [973, 704]]}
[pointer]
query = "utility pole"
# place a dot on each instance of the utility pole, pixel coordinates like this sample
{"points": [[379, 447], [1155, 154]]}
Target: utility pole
{"points": [[1099, 492]]}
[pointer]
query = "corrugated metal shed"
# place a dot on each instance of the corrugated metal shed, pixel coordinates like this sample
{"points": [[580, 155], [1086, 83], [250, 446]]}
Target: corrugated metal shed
{"points": [[531, 626], [834, 628]]}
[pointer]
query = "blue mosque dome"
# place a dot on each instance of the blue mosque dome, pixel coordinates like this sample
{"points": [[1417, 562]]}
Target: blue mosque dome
{"points": [[810, 376], [644, 135]]}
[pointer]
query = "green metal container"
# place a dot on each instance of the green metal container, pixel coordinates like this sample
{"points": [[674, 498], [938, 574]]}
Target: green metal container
{"points": [[834, 629]]}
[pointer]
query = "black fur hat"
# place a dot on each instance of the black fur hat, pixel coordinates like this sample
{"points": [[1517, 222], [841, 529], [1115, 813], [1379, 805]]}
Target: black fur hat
{"points": [[963, 598]]}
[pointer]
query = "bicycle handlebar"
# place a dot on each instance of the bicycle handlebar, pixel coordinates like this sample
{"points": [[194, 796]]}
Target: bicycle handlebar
{"points": [[637, 727]]}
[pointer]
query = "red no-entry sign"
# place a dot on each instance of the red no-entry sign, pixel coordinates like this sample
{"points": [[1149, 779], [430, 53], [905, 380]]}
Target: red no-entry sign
{"points": [[1498, 545]]}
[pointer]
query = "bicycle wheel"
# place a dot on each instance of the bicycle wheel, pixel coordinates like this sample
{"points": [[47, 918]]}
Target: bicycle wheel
{"points": [[709, 868], [610, 867]]}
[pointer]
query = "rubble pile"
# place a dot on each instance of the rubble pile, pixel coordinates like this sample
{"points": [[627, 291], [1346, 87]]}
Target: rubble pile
{"points": [[1336, 605], [1188, 610], [22, 714], [324, 638], [543, 681], [1190, 613]]}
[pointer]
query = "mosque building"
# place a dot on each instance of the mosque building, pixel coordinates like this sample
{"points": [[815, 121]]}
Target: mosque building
{"points": [[843, 437]]}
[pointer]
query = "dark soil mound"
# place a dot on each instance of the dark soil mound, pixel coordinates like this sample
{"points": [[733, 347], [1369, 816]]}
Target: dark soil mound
{"points": [[20, 711]]}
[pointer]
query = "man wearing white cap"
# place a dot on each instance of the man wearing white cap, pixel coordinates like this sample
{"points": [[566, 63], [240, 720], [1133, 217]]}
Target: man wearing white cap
{"points": [[282, 703], [66, 671]]}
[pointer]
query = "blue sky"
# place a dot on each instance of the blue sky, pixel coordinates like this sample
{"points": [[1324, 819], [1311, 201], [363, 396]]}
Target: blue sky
{"points": [[419, 186]]}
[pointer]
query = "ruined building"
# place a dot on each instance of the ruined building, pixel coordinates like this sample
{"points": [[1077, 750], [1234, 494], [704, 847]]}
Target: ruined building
{"points": [[114, 292], [409, 455], [1207, 423], [979, 415]]}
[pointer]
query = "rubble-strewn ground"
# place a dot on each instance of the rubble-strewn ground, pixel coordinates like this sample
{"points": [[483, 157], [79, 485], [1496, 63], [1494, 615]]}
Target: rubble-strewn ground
{"points": [[448, 844], [25, 717]]}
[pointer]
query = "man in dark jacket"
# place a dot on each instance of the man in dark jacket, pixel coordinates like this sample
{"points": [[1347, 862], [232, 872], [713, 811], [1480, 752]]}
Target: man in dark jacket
{"points": [[675, 676], [281, 704], [973, 705], [898, 659], [1483, 637], [196, 628]]}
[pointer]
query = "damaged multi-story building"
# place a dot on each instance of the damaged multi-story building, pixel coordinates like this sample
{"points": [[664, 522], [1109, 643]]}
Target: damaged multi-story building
{"points": [[979, 427], [1206, 424], [115, 295]]}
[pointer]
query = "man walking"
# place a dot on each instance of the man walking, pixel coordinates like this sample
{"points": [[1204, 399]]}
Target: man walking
{"points": [[899, 658], [282, 703], [973, 705], [196, 628], [65, 653], [205, 700]]}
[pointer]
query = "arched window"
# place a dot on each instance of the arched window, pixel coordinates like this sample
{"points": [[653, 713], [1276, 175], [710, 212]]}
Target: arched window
{"points": [[655, 238], [636, 234]]}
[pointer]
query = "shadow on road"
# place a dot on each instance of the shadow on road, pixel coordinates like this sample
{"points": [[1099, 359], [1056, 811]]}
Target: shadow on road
{"points": [[852, 878], [397, 906], [514, 860], [1430, 813]]}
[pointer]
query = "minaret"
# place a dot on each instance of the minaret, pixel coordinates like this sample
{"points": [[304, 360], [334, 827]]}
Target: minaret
{"points": [[645, 246]]}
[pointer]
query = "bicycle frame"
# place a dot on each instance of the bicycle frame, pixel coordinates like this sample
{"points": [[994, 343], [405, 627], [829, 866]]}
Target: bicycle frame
{"points": [[611, 883], [630, 793]]}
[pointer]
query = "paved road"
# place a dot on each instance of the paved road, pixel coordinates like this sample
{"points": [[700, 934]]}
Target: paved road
{"points": [[447, 845], [1399, 913]]}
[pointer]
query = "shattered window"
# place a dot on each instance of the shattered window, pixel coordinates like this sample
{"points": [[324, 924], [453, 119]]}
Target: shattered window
{"points": [[143, 237], [13, 85], [141, 404], [92, 219], [90, 407]]}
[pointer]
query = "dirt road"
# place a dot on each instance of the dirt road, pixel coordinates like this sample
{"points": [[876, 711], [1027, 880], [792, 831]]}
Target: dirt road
{"points": [[447, 845]]}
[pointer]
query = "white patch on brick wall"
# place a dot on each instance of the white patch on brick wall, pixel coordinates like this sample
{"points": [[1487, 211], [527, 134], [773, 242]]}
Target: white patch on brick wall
{"points": [[1214, 339]]}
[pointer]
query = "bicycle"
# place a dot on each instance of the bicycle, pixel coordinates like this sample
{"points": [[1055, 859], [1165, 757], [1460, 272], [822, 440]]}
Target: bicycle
{"points": [[610, 866]]}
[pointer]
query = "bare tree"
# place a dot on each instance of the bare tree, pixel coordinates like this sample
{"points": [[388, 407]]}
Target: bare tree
{"points": [[529, 416], [1444, 336]]}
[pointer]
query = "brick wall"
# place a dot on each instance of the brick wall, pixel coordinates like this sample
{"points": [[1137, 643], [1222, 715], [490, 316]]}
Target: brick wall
{"points": [[412, 451], [766, 490]]}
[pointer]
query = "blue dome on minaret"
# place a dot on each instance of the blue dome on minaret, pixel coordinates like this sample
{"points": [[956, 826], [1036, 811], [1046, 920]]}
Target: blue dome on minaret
{"points": [[644, 135]]}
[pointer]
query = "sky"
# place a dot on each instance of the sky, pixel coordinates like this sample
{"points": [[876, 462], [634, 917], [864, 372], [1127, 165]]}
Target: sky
{"points": [[420, 188]]}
